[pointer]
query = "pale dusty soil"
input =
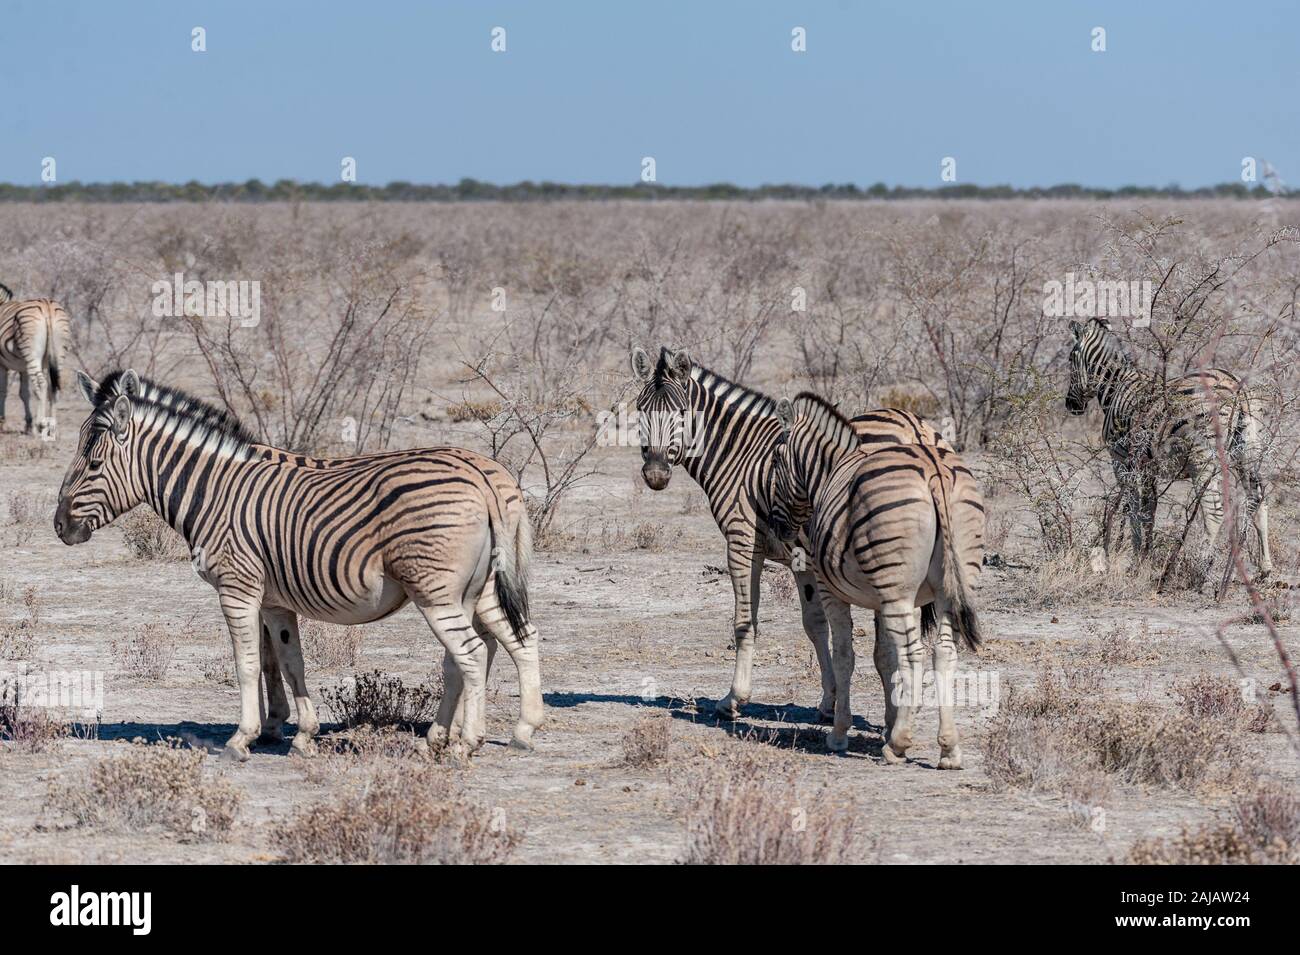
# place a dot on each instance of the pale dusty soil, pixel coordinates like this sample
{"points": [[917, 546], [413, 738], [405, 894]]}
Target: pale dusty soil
{"points": [[625, 631]]}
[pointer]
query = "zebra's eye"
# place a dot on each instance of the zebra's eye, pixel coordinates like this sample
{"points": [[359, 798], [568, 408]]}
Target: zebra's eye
{"points": [[96, 463]]}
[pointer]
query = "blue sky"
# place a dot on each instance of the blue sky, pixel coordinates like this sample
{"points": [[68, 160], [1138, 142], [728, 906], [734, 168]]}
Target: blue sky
{"points": [[711, 90]]}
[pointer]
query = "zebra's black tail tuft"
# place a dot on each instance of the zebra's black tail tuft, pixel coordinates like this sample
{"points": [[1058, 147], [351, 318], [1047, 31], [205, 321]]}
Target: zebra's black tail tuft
{"points": [[929, 623], [512, 558]]}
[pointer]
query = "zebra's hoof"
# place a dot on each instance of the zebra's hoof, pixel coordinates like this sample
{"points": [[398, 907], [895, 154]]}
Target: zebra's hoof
{"points": [[825, 717], [270, 736], [837, 742], [521, 745], [892, 757], [303, 746], [950, 762], [235, 753], [727, 709]]}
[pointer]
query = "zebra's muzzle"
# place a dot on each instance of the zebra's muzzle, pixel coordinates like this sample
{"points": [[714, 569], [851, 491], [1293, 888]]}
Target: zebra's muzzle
{"points": [[656, 475], [70, 531]]}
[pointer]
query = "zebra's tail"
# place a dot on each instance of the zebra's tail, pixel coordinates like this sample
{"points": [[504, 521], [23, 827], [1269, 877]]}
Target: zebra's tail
{"points": [[955, 588], [512, 554], [54, 348]]}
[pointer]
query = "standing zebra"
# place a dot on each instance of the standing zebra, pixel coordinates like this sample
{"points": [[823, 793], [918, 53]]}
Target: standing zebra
{"points": [[882, 535], [733, 430], [286, 653], [33, 342], [1156, 429], [346, 545]]}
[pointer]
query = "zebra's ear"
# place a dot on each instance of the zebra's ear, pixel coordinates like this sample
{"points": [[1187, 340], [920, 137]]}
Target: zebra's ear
{"points": [[1076, 329], [642, 369], [89, 387], [121, 415], [5, 293], [130, 383], [681, 364], [785, 414]]}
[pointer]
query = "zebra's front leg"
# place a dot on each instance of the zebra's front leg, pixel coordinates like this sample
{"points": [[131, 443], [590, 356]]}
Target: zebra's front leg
{"points": [[242, 619], [745, 562], [883, 656], [815, 625], [840, 619], [286, 647]]}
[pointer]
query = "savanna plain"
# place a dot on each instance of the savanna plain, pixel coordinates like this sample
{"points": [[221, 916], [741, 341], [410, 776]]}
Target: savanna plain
{"points": [[1124, 707]]}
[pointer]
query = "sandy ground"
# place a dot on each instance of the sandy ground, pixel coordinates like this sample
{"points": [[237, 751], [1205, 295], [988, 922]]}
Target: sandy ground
{"points": [[626, 631]]}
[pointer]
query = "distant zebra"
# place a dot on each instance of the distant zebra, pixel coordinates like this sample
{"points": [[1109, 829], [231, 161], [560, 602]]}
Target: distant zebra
{"points": [[881, 530], [345, 545], [727, 449], [34, 337], [1167, 430]]}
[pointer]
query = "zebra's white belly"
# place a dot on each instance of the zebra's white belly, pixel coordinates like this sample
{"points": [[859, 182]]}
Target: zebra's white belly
{"points": [[384, 597]]}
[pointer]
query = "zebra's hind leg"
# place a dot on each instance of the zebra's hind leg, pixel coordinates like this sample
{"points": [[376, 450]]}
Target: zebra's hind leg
{"points": [[842, 660], [883, 655], [493, 625], [468, 653], [945, 678], [815, 625], [286, 647], [277, 704], [4, 392], [1257, 510], [25, 395], [907, 656]]}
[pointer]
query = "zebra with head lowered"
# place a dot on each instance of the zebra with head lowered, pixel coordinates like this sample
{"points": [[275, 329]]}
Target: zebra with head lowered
{"points": [[1168, 429], [722, 434], [34, 338], [442, 527], [882, 535]]}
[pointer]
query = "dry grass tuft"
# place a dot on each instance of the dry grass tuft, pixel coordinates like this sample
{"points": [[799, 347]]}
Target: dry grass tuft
{"points": [[377, 699], [147, 653], [330, 646], [646, 743], [30, 729], [404, 815], [746, 810], [148, 537], [648, 535], [1070, 579], [1118, 646], [1209, 696], [151, 786], [18, 640], [1264, 830], [1066, 727]]}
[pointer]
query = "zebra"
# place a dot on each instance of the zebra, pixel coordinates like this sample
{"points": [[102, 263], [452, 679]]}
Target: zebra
{"points": [[274, 658], [34, 337], [882, 535], [348, 544], [727, 451], [1155, 429]]}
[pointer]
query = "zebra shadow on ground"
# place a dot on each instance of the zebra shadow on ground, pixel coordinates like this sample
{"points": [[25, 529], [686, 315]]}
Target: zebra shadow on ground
{"points": [[785, 726]]}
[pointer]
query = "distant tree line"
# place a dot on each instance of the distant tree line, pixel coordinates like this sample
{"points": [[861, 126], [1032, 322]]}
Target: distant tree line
{"points": [[287, 190]]}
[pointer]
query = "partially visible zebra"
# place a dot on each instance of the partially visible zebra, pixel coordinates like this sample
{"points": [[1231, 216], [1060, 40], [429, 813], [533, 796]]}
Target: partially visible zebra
{"points": [[1168, 430], [34, 337], [345, 545], [285, 655], [881, 530], [728, 451]]}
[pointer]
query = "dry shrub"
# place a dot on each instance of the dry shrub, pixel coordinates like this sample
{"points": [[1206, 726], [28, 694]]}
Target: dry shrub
{"points": [[467, 410], [147, 653], [917, 402], [330, 646], [648, 535], [1072, 578], [220, 669], [1045, 738], [31, 729], [779, 583], [747, 810], [1264, 830], [148, 537], [18, 640], [405, 815], [646, 743], [1118, 646], [23, 508], [1208, 696], [377, 699], [151, 786]]}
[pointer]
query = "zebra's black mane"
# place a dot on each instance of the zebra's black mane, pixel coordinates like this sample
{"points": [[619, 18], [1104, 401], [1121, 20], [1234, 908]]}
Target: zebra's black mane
{"points": [[208, 418], [712, 381]]}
